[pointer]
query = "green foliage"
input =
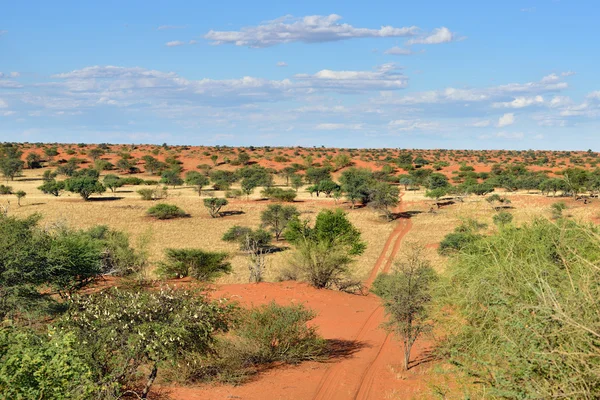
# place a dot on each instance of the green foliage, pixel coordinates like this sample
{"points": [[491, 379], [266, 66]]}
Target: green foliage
{"points": [[214, 205], [120, 331], [279, 194], [281, 334], [324, 252], [48, 366], [384, 197], [166, 211], [503, 218], [437, 181], [406, 293], [11, 164], [199, 264], [277, 217], [156, 193], [248, 238], [52, 187], [171, 177], [5, 189], [113, 182], [197, 180], [355, 183], [557, 209], [222, 180], [463, 236], [85, 186], [525, 313]]}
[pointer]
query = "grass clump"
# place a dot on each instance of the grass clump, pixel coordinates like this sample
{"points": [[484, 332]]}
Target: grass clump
{"points": [[199, 264]]}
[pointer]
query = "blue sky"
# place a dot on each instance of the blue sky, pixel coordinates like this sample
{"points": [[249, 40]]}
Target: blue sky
{"points": [[514, 74]]}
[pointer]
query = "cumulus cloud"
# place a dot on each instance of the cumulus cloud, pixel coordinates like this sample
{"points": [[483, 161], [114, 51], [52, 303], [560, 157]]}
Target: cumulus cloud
{"points": [[174, 43], [506, 120], [308, 29], [437, 36]]}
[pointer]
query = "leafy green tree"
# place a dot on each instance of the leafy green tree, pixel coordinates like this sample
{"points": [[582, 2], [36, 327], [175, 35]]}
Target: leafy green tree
{"points": [[296, 181], [315, 175], [342, 160], [406, 294], [437, 181], [384, 197], [436, 194], [96, 153], [277, 217], [256, 243], [34, 160], [324, 252], [113, 182], [85, 186], [152, 165], [222, 180], [197, 180], [171, 177], [214, 158], [10, 161], [52, 187], [355, 183], [214, 205], [503, 218]]}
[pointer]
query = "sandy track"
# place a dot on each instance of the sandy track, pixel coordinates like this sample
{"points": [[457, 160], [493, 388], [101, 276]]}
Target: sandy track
{"points": [[354, 378]]}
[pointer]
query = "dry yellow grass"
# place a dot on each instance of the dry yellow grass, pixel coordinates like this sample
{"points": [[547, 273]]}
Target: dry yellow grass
{"points": [[127, 213]]}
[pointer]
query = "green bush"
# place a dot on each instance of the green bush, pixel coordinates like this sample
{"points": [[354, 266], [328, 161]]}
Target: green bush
{"points": [[5, 189], [199, 264], [166, 211], [48, 366], [525, 317]]}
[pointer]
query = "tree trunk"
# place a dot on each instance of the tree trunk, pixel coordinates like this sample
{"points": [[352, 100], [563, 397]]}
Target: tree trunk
{"points": [[150, 381]]}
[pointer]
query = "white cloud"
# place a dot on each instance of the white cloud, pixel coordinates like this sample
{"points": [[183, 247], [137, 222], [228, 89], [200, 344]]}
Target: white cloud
{"points": [[510, 135], [332, 126], [568, 73], [439, 35], [8, 113], [411, 125], [3, 104], [521, 102], [309, 29], [384, 77], [174, 43], [506, 120], [399, 51], [192, 41], [480, 124], [539, 136], [14, 74], [550, 78], [530, 9], [282, 64]]}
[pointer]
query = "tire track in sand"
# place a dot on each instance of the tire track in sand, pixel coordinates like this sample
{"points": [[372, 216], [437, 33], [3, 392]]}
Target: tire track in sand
{"points": [[353, 378]]}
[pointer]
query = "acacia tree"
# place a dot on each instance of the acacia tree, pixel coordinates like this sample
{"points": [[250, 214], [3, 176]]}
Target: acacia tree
{"points": [[196, 179], [10, 161], [277, 217], [384, 197], [406, 293], [325, 251], [355, 183], [214, 205], [85, 185], [256, 243]]}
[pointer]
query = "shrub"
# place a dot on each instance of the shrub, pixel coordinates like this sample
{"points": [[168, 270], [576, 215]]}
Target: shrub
{"points": [[280, 333], [456, 241], [199, 264], [279, 194], [5, 189], [48, 366], [166, 211], [153, 194], [525, 317], [503, 218], [85, 186], [52, 187], [151, 329]]}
